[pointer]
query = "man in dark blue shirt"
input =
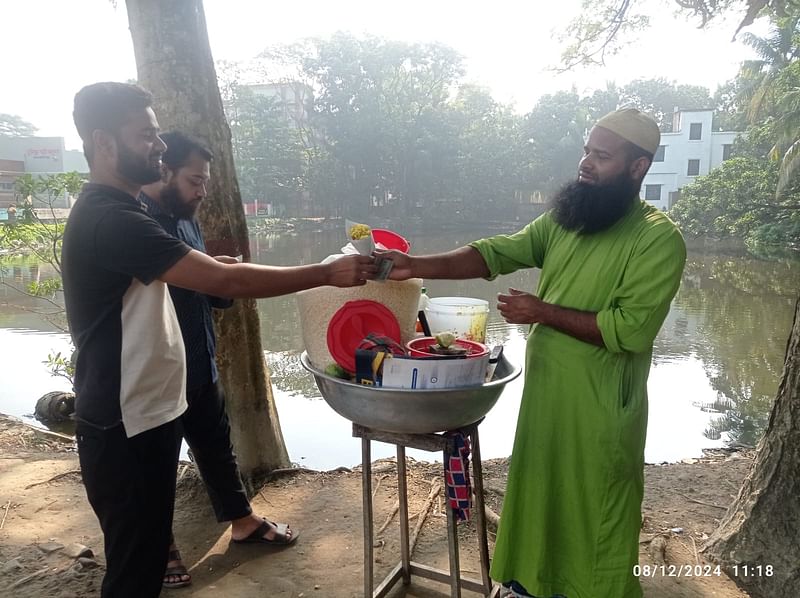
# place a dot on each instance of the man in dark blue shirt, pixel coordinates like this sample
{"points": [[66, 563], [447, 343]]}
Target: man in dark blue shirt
{"points": [[172, 202]]}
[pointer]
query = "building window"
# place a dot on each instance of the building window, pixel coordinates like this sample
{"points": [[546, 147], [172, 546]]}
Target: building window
{"points": [[6, 186], [659, 155], [726, 151], [694, 168], [652, 192], [695, 131]]}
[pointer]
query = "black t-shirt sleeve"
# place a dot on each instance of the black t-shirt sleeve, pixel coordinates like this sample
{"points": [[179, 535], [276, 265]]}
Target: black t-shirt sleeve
{"points": [[131, 242]]}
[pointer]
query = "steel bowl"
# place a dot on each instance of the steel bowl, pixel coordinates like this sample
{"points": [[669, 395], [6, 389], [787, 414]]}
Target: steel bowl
{"points": [[410, 411]]}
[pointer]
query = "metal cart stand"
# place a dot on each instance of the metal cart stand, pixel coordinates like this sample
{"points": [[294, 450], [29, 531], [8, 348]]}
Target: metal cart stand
{"points": [[406, 567]]}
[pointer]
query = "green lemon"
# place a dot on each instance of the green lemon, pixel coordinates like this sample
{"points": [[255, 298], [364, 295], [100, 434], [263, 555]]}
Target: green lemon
{"points": [[445, 339]]}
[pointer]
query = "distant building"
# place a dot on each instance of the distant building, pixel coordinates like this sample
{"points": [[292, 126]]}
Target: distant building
{"points": [[692, 149], [10, 171], [37, 156]]}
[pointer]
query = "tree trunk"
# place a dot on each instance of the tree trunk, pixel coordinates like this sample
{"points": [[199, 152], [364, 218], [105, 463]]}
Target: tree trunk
{"points": [[762, 526], [174, 62]]}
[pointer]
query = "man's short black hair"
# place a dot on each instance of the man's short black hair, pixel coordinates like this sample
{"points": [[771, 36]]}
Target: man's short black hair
{"points": [[106, 106], [180, 147]]}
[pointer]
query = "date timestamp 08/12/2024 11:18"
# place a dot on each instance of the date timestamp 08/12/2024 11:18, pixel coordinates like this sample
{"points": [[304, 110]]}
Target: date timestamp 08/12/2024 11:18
{"points": [[702, 570]]}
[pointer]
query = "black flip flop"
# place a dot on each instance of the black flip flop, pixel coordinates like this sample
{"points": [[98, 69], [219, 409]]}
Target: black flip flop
{"points": [[280, 539]]}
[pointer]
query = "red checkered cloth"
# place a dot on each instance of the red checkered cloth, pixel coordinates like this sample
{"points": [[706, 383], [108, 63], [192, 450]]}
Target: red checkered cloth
{"points": [[456, 477]]}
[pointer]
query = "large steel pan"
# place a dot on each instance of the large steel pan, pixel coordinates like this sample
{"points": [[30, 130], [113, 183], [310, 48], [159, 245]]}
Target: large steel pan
{"points": [[412, 411]]}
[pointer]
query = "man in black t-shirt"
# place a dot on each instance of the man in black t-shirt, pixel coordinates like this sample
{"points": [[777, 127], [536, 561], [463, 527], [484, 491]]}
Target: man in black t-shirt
{"points": [[130, 371]]}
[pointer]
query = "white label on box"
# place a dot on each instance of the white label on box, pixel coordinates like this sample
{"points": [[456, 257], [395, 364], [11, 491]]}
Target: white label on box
{"points": [[400, 372]]}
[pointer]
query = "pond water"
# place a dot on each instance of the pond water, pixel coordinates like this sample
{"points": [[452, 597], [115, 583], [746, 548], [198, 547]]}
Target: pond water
{"points": [[716, 362]]}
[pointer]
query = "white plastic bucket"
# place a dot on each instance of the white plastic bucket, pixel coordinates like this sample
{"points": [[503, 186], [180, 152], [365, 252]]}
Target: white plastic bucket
{"points": [[465, 317]]}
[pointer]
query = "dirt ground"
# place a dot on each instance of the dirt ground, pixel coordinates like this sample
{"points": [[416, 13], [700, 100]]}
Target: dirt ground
{"points": [[44, 512]]}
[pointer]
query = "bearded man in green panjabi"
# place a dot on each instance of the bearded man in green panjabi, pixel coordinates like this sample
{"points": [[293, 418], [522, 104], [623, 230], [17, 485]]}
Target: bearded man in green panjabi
{"points": [[610, 266]]}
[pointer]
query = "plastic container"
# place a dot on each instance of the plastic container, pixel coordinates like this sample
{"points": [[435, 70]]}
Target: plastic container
{"points": [[465, 317], [419, 348], [390, 239], [318, 306]]}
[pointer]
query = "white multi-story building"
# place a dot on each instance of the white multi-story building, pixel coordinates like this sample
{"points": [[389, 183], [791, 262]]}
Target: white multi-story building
{"points": [[692, 149]]}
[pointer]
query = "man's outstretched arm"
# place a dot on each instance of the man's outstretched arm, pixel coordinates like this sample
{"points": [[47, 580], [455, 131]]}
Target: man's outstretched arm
{"points": [[199, 272], [458, 264]]}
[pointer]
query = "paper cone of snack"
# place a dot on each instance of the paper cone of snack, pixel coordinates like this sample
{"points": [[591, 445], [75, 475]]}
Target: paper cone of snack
{"points": [[360, 237]]}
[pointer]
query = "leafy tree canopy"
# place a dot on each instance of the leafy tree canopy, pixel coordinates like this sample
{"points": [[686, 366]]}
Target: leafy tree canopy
{"points": [[12, 125]]}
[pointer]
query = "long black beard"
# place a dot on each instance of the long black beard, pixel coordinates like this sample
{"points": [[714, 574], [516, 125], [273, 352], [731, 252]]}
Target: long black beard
{"points": [[587, 209], [171, 199]]}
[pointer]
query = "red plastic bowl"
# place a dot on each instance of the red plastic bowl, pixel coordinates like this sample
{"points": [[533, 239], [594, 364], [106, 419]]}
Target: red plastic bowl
{"points": [[419, 347], [390, 239]]}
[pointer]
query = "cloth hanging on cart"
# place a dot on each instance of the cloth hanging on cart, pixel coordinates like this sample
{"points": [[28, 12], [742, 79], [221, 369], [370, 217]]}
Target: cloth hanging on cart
{"points": [[456, 474]]}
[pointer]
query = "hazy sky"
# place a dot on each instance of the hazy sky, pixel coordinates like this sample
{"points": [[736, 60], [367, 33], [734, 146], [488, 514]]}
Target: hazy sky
{"points": [[51, 48]]}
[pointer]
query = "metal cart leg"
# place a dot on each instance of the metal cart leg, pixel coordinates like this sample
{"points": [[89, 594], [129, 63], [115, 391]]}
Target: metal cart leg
{"points": [[406, 568], [480, 514], [452, 541], [402, 488], [366, 490]]}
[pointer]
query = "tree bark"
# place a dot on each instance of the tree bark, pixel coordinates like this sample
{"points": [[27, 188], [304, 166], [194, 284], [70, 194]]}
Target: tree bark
{"points": [[762, 526], [173, 59]]}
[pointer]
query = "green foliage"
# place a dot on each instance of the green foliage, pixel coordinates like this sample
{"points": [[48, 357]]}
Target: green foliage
{"points": [[45, 288], [12, 125], [599, 31], [60, 365], [775, 240], [16, 237], [730, 114], [555, 130], [33, 237], [383, 119], [32, 233], [603, 27], [770, 91], [761, 78], [269, 153], [737, 200], [394, 132], [787, 127], [756, 196], [40, 236], [660, 97], [491, 159]]}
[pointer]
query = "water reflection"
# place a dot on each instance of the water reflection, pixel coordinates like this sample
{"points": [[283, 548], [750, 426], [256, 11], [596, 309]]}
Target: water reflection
{"points": [[25, 377], [737, 314], [18, 309], [716, 363]]}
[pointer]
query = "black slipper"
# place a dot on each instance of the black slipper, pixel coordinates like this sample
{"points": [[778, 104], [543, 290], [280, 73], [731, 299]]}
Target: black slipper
{"points": [[280, 539], [177, 571]]}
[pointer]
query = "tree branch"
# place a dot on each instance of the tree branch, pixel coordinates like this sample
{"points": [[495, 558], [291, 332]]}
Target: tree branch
{"points": [[17, 289]]}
